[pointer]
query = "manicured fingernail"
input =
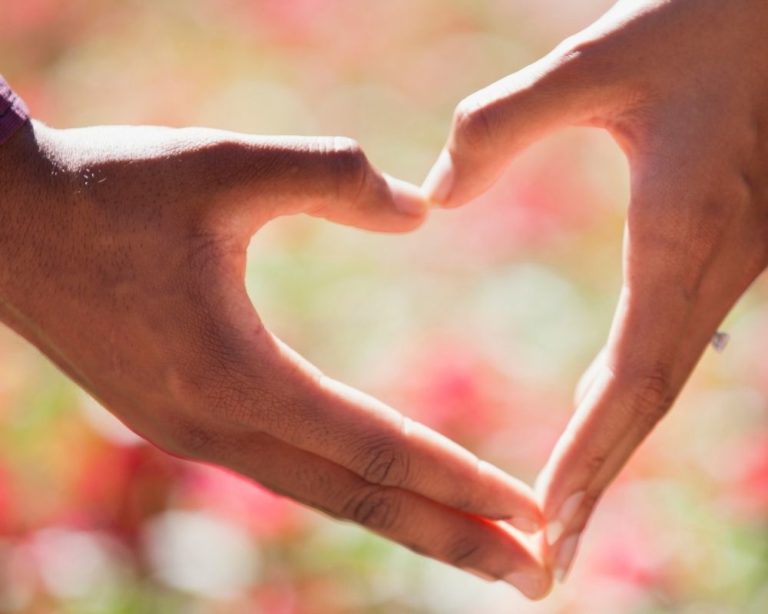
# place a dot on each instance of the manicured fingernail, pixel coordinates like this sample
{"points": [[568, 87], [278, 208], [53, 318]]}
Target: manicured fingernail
{"points": [[439, 182], [565, 557], [527, 525], [406, 197], [568, 510], [554, 531], [530, 585], [481, 574]]}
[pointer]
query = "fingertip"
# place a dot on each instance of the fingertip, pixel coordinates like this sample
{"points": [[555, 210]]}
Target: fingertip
{"points": [[545, 589], [528, 517], [516, 500], [407, 198], [438, 185], [528, 573], [565, 557], [535, 586], [525, 524]]}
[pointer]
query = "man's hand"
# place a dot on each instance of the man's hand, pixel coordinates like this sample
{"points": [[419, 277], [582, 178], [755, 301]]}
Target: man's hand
{"points": [[122, 257], [682, 85]]}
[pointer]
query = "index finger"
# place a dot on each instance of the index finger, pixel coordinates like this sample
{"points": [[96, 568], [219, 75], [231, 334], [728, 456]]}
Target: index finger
{"points": [[491, 550], [684, 269], [255, 382], [384, 447]]}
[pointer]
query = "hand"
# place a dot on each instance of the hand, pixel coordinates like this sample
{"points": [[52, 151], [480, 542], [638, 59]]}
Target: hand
{"points": [[122, 257], [682, 85]]}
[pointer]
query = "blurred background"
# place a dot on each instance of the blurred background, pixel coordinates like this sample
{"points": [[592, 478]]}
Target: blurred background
{"points": [[478, 325]]}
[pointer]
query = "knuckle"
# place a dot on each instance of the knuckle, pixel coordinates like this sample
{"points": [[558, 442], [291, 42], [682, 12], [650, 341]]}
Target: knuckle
{"points": [[577, 51], [580, 58], [472, 124], [595, 463], [651, 396], [221, 162], [384, 462], [590, 70], [221, 150], [462, 551], [373, 507], [213, 168], [350, 166], [346, 147]]}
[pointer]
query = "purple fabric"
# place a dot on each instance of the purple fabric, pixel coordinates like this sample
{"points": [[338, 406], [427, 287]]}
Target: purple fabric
{"points": [[13, 111]]}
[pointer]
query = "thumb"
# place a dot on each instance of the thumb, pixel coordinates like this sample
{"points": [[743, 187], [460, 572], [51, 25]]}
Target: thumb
{"points": [[257, 178], [332, 178], [569, 86]]}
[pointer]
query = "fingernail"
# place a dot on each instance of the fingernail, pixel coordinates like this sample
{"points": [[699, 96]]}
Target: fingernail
{"points": [[406, 197], [439, 182], [565, 557], [480, 574], [530, 585], [568, 510], [527, 525], [554, 530]]}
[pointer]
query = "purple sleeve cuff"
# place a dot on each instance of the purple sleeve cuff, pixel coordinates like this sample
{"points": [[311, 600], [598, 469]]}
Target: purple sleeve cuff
{"points": [[13, 111]]}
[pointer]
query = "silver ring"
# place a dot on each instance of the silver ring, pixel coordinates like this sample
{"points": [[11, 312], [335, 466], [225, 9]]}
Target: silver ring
{"points": [[720, 341]]}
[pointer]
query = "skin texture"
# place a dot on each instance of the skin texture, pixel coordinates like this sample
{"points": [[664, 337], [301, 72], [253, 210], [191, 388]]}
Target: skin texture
{"points": [[682, 85], [123, 252]]}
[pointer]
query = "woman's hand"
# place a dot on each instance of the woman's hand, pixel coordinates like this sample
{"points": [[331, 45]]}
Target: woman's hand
{"points": [[682, 85], [122, 257]]}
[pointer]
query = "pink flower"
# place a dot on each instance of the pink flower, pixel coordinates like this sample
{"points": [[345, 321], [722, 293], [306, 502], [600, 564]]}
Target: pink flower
{"points": [[629, 556], [746, 477], [462, 393], [7, 512], [120, 487], [457, 390], [28, 15], [239, 499], [541, 199], [625, 557], [287, 22]]}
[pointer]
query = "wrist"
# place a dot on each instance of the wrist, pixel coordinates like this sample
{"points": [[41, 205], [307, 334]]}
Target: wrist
{"points": [[13, 112], [16, 146], [31, 187]]}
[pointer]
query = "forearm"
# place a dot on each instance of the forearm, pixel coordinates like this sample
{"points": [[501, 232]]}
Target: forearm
{"points": [[13, 143], [15, 146], [26, 184]]}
